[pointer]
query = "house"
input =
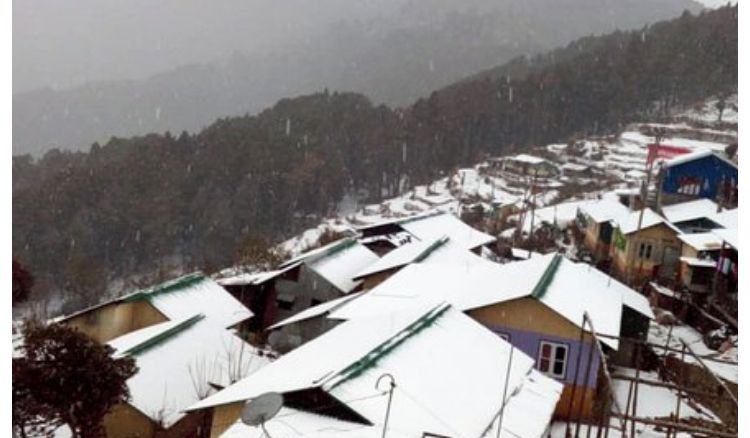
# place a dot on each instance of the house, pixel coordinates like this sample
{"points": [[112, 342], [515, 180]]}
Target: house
{"points": [[725, 280], [536, 304], [312, 322], [443, 248], [184, 340], [700, 252], [575, 170], [526, 165], [692, 216], [449, 375], [596, 221], [645, 246], [314, 277], [701, 174], [429, 226]]}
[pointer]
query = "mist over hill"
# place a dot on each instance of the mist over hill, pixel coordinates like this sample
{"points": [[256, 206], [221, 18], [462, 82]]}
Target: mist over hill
{"points": [[393, 51]]}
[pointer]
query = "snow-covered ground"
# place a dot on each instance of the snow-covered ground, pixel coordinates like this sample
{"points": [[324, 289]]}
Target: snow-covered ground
{"points": [[614, 162], [726, 369], [654, 402]]}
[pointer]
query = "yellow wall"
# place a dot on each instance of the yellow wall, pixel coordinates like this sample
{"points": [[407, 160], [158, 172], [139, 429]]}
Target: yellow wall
{"points": [[124, 421], [582, 394], [224, 416], [527, 314], [685, 270], [660, 236], [116, 319]]}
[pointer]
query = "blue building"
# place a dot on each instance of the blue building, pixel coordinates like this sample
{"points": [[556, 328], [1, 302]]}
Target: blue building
{"points": [[700, 175]]}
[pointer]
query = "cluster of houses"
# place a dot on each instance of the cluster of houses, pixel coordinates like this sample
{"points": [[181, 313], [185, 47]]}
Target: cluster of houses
{"points": [[467, 346], [687, 241], [470, 347]]}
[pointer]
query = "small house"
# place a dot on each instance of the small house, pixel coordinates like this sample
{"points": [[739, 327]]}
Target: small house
{"points": [[694, 216], [312, 278], [184, 340], [700, 252], [433, 370], [701, 174], [428, 226], [527, 165], [645, 246], [596, 221], [537, 305]]}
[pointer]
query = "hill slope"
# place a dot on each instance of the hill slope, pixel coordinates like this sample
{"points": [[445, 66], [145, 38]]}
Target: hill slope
{"points": [[195, 200]]}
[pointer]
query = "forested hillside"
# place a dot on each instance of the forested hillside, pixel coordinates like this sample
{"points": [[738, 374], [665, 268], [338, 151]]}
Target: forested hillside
{"points": [[411, 48], [80, 219]]}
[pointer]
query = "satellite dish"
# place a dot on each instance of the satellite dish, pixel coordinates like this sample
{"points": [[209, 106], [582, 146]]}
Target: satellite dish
{"points": [[262, 408]]}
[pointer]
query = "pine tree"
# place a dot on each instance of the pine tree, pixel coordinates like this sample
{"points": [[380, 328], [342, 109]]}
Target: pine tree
{"points": [[62, 377]]}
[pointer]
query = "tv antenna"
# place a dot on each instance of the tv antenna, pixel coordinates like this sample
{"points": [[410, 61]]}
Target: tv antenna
{"points": [[261, 409]]}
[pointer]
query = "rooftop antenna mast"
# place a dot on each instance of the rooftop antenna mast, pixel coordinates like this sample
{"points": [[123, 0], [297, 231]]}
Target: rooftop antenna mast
{"points": [[392, 385], [262, 408]]}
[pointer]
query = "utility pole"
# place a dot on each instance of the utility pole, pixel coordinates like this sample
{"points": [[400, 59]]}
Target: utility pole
{"points": [[658, 136]]}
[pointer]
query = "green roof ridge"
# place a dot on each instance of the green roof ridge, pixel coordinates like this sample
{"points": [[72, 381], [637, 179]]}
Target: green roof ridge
{"points": [[161, 337], [431, 248], [168, 286], [543, 284], [371, 358]]}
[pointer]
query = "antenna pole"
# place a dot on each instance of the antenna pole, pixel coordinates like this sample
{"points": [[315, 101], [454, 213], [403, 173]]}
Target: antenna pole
{"points": [[505, 392], [263, 426], [390, 398]]}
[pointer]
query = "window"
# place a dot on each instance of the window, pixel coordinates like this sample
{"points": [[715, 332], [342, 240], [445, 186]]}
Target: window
{"points": [[285, 301], [644, 251], [552, 358]]}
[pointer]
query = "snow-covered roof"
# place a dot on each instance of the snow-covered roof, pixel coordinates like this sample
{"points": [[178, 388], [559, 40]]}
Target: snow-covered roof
{"points": [[696, 155], [694, 261], [445, 366], [314, 311], [605, 210], [446, 224], [726, 218], [403, 255], [185, 296], [686, 211], [339, 267], [526, 158], [629, 222], [728, 235], [193, 347], [701, 241], [254, 278], [561, 214], [574, 167], [574, 288], [524, 253], [428, 251]]}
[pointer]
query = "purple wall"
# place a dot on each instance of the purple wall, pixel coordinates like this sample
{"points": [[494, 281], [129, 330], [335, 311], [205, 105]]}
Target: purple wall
{"points": [[528, 342]]}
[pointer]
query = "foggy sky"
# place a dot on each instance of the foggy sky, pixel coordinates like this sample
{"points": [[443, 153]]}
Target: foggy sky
{"points": [[61, 46]]}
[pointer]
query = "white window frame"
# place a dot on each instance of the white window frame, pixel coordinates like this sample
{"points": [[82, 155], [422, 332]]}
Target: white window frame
{"points": [[553, 346]]}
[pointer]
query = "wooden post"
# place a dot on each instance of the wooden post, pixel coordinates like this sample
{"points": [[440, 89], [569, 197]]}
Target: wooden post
{"points": [[635, 391], [585, 382], [575, 378], [717, 378]]}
